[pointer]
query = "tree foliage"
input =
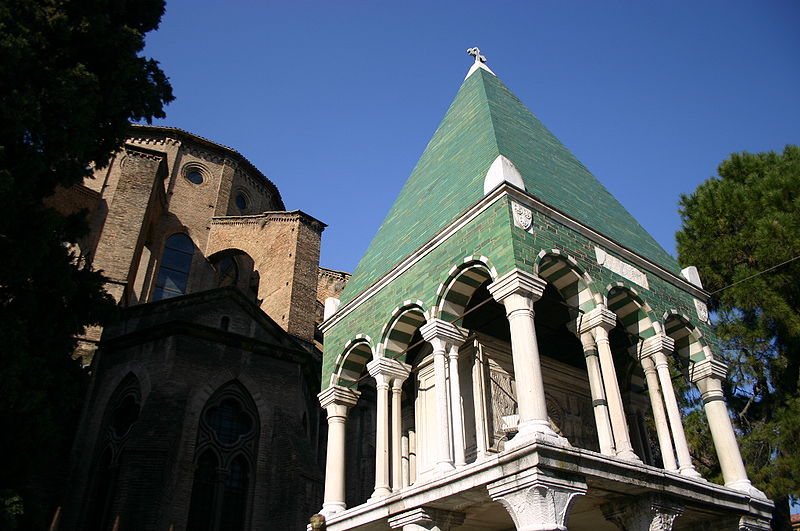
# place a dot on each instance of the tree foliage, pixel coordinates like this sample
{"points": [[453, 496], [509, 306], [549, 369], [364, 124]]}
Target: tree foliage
{"points": [[71, 78], [735, 226]]}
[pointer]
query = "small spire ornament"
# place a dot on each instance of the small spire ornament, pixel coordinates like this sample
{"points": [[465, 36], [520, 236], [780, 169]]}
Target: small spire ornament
{"points": [[476, 53]]}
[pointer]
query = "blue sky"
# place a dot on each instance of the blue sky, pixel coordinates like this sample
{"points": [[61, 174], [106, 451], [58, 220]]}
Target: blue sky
{"points": [[335, 101]]}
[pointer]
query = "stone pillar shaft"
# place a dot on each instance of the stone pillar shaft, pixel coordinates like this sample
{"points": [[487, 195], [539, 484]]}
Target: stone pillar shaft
{"points": [[598, 322], [659, 415], [443, 336], [455, 406], [336, 400], [599, 403], [708, 375], [385, 371], [397, 428]]}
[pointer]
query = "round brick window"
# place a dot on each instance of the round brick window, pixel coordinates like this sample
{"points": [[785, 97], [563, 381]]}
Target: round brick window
{"points": [[195, 177], [241, 201]]}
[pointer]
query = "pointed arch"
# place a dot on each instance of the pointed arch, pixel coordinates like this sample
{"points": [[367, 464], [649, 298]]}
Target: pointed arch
{"points": [[574, 284], [632, 311], [689, 344], [352, 362], [227, 441], [462, 280], [399, 331]]}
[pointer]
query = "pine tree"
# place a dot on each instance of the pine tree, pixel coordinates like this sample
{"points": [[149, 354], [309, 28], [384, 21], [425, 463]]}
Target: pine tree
{"points": [[742, 230]]}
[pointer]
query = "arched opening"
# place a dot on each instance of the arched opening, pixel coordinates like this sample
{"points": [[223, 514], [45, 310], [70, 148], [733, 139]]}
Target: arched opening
{"points": [[233, 267], [634, 324], [176, 263], [361, 424], [120, 417], [227, 438]]}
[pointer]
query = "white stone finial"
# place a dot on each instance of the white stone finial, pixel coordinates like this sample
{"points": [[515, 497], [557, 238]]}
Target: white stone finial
{"points": [[476, 53], [480, 61]]}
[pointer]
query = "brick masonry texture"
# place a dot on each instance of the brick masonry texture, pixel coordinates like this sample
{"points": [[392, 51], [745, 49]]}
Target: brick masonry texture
{"points": [[180, 355]]}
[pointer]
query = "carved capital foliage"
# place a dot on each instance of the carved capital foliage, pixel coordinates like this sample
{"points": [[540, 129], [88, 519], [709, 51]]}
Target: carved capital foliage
{"points": [[646, 513], [426, 518], [536, 500]]}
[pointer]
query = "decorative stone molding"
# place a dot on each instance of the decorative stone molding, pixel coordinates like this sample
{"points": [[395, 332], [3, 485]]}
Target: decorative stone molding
{"points": [[502, 171], [438, 329], [752, 523], [517, 282], [338, 395], [601, 317], [426, 519], [702, 311], [647, 513], [536, 500], [623, 269], [657, 343], [389, 368], [523, 217], [707, 368]]}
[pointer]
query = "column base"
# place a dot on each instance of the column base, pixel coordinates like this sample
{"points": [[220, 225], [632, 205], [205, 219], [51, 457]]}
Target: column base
{"points": [[628, 455], [535, 431], [689, 472], [380, 492], [331, 508], [744, 485]]}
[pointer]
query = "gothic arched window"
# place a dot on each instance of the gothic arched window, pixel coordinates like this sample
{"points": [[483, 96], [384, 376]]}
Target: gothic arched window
{"points": [[226, 445], [121, 415], [176, 261]]}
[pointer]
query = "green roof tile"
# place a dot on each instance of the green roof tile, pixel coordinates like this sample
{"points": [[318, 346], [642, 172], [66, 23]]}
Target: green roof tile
{"points": [[486, 120]]}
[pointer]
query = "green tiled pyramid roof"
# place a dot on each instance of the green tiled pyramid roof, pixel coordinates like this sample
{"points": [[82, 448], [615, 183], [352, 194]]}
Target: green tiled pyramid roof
{"points": [[484, 121]]}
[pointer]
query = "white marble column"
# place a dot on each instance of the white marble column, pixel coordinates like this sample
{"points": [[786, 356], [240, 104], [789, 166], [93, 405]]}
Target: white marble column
{"points": [[441, 335], [517, 290], [336, 400], [455, 406], [708, 375], [659, 414], [384, 370], [598, 322], [657, 348], [397, 429], [536, 500], [599, 403]]}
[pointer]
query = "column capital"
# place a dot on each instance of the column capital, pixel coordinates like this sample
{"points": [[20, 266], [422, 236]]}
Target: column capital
{"points": [[444, 331], [390, 369], [708, 368], [338, 395], [753, 523], [646, 512], [654, 345], [599, 317], [517, 282], [536, 500], [427, 518]]}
